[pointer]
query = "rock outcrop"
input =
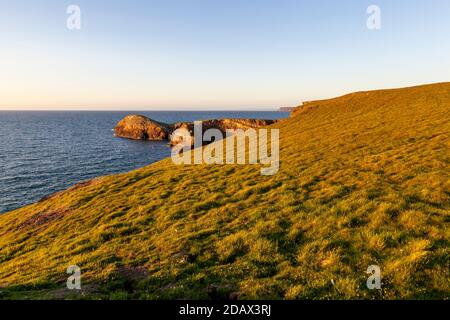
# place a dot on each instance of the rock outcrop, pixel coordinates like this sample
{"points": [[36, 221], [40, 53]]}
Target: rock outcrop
{"points": [[142, 128], [221, 124]]}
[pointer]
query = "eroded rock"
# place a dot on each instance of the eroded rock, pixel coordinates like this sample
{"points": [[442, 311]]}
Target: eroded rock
{"points": [[142, 128], [138, 127]]}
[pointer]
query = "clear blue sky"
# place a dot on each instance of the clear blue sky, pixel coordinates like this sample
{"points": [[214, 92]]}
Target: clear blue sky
{"points": [[214, 54]]}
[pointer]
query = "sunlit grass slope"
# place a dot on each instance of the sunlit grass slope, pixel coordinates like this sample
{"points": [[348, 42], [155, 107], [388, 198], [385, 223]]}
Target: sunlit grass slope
{"points": [[364, 180]]}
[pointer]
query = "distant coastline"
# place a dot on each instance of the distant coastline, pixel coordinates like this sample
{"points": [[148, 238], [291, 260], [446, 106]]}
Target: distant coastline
{"points": [[286, 109]]}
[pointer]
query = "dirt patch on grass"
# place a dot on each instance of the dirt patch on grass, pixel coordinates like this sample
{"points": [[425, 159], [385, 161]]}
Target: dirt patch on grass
{"points": [[66, 294], [133, 273], [43, 218], [84, 184]]}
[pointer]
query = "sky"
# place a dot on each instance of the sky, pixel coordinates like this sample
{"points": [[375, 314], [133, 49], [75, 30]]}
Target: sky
{"points": [[214, 54]]}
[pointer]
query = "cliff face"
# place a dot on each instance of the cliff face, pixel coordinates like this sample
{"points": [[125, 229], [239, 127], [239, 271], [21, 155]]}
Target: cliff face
{"points": [[244, 124], [222, 125], [142, 128]]}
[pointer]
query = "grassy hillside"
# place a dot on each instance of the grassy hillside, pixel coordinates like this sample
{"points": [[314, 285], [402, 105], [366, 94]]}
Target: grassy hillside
{"points": [[364, 179]]}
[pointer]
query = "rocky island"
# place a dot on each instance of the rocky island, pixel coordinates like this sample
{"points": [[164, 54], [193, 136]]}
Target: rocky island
{"points": [[139, 127]]}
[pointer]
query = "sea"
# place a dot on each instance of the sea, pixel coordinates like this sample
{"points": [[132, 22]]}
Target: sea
{"points": [[42, 152]]}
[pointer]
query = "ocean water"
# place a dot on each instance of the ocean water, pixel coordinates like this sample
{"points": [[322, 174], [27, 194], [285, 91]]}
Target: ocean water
{"points": [[45, 152]]}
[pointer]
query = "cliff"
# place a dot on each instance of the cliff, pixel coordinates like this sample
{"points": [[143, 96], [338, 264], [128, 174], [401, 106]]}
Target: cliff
{"points": [[142, 128]]}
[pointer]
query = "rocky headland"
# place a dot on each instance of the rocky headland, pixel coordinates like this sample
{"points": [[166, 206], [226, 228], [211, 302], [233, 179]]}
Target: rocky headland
{"points": [[139, 127]]}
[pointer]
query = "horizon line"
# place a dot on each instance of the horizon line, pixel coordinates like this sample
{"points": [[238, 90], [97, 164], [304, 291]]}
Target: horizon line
{"points": [[229, 108]]}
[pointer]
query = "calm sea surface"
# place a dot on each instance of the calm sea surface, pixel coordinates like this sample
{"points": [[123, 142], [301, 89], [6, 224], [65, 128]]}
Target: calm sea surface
{"points": [[45, 152]]}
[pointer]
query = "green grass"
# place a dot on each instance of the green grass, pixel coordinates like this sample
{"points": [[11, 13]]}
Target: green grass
{"points": [[364, 179]]}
